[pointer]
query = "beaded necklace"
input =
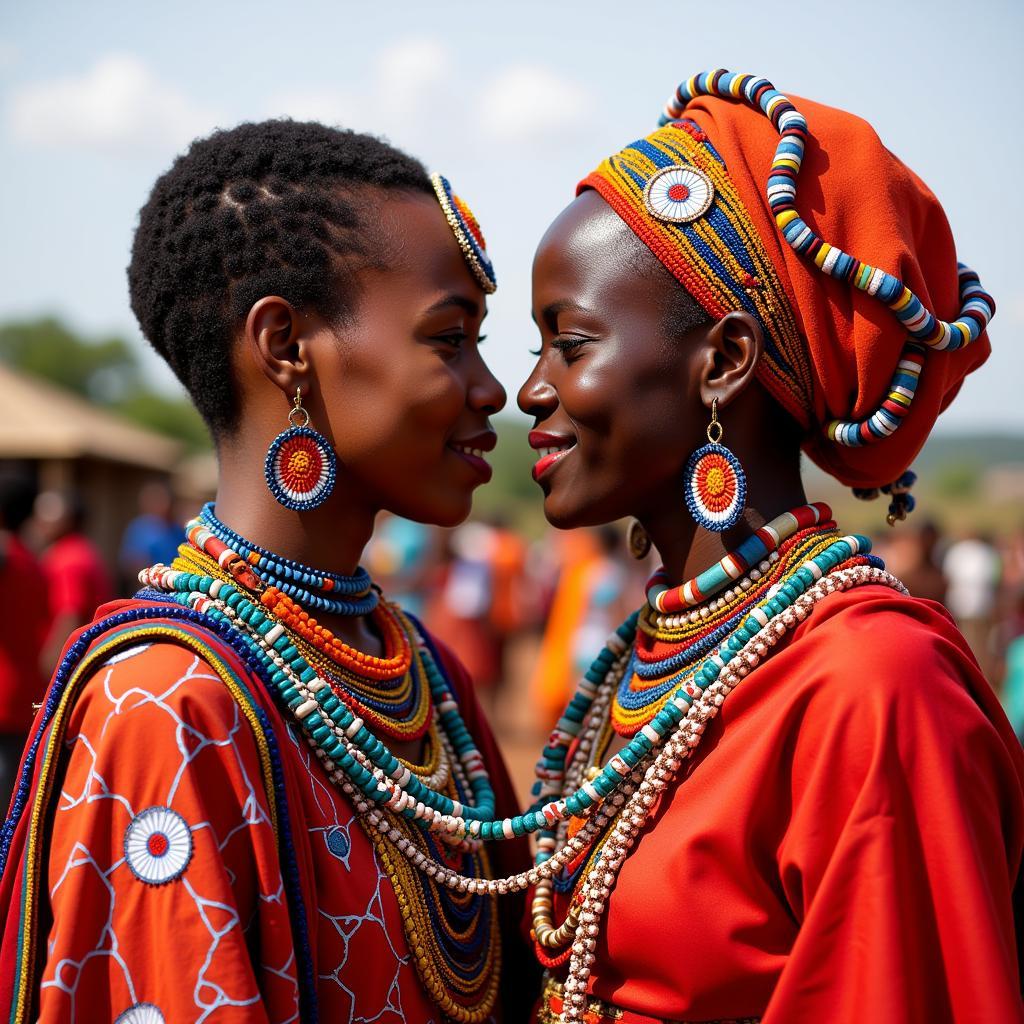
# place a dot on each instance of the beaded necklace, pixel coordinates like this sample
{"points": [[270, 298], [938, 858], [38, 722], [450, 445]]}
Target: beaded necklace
{"points": [[665, 598], [451, 932], [577, 805], [320, 591], [388, 692], [589, 858], [667, 656]]}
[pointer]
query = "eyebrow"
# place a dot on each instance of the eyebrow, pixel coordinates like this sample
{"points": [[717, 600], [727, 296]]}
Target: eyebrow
{"points": [[550, 312], [456, 301]]}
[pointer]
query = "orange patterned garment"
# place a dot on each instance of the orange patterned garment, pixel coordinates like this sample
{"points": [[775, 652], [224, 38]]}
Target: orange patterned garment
{"points": [[163, 872]]}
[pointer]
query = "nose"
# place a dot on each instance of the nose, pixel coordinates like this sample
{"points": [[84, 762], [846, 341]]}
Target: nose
{"points": [[537, 397], [486, 394]]}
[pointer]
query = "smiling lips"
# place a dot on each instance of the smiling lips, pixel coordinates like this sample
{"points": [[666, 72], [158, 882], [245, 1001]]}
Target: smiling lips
{"points": [[473, 449], [551, 448]]}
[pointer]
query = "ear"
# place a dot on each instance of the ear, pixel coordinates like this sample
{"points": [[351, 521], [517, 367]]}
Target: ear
{"points": [[275, 339], [731, 352]]}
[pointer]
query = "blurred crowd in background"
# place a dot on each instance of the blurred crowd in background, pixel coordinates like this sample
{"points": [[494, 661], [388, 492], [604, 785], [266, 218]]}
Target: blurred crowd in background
{"points": [[525, 614]]}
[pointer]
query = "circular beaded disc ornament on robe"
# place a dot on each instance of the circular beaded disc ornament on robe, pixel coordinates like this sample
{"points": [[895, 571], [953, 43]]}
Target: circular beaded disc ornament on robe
{"points": [[158, 845], [716, 486], [301, 466]]}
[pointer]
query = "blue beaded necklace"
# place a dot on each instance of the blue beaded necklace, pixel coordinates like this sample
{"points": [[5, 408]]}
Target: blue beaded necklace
{"points": [[312, 588]]}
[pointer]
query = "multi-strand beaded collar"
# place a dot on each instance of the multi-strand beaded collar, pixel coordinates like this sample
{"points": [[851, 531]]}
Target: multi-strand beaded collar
{"points": [[670, 648], [585, 803], [452, 932], [702, 649]]}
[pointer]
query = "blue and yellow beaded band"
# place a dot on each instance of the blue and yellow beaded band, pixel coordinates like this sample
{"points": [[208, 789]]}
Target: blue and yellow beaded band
{"points": [[467, 233], [674, 191]]}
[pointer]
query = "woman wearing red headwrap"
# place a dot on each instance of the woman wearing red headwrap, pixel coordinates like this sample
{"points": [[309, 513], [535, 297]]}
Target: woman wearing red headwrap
{"points": [[784, 792]]}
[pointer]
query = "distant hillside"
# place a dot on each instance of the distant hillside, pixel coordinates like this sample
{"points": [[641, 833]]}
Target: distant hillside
{"points": [[981, 450]]}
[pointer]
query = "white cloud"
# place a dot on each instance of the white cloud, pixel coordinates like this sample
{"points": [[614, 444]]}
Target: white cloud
{"points": [[405, 71], [324, 105], [531, 104], [117, 106], [401, 86]]}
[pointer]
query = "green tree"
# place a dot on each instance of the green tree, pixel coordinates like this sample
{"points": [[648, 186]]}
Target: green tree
{"points": [[106, 371]]}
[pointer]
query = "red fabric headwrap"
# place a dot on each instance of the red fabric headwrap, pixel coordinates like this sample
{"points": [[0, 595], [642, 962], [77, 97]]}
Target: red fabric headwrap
{"points": [[859, 196], [855, 194]]}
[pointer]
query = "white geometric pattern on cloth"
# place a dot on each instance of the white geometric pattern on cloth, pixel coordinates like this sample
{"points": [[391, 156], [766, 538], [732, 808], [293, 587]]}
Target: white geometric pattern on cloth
{"points": [[218, 918], [355, 899], [338, 810]]}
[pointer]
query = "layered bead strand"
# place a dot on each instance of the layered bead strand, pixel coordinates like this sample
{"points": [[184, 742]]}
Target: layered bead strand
{"points": [[667, 657], [388, 692], [315, 590], [636, 808], [586, 817]]}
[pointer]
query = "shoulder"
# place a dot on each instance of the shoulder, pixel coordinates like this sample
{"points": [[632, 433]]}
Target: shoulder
{"points": [[157, 689], [869, 638], [879, 676]]}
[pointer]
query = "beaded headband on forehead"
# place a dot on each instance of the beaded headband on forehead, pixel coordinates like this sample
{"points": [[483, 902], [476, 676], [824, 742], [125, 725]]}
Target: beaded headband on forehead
{"points": [[673, 189], [467, 233]]}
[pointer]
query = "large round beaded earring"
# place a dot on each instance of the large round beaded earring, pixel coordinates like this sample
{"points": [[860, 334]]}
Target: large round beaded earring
{"points": [[716, 486], [300, 466]]}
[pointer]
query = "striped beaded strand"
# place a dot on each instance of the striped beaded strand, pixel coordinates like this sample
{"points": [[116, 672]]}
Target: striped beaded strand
{"points": [[924, 328]]}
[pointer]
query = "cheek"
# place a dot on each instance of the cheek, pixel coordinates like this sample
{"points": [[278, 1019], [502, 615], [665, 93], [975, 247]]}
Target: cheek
{"points": [[629, 410], [401, 402]]}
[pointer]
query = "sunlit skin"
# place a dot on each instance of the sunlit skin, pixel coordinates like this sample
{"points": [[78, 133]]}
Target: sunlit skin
{"points": [[630, 400], [395, 388]]}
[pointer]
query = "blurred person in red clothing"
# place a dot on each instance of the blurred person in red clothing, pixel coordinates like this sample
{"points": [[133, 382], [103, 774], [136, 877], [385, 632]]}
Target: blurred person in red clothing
{"points": [[75, 572], [25, 614]]}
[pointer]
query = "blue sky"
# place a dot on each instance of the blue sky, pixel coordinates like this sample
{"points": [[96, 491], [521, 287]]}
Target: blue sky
{"points": [[514, 102]]}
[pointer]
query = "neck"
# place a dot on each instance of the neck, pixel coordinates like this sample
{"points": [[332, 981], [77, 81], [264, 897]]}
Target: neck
{"points": [[687, 549], [330, 538]]}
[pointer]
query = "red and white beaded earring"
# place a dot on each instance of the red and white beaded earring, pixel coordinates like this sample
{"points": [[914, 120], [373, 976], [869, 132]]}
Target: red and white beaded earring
{"points": [[716, 486], [301, 466]]}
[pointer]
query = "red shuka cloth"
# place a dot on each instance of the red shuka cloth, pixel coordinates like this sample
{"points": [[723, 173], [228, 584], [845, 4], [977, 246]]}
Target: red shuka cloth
{"points": [[844, 845]]}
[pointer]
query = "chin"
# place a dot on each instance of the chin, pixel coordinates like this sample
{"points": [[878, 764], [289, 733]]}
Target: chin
{"points": [[445, 510], [564, 515]]}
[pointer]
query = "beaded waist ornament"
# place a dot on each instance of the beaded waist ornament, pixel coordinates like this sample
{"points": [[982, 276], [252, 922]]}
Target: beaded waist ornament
{"points": [[674, 191], [552, 1003]]}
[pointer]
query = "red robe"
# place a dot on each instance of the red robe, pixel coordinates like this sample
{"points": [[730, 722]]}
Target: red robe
{"points": [[844, 844], [156, 727]]}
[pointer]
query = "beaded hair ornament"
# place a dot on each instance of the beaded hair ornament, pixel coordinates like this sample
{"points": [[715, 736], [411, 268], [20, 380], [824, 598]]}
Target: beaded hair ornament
{"points": [[673, 190], [467, 233]]}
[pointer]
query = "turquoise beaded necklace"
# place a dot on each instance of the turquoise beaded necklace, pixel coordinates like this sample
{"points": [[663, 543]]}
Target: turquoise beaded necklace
{"points": [[333, 727]]}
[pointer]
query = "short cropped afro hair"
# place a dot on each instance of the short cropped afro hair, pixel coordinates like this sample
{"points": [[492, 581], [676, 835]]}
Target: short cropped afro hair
{"points": [[273, 208]]}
